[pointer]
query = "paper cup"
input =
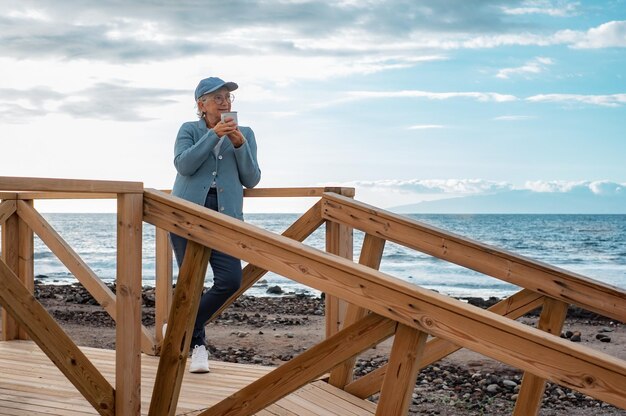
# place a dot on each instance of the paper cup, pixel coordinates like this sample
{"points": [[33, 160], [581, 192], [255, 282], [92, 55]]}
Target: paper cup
{"points": [[231, 114]]}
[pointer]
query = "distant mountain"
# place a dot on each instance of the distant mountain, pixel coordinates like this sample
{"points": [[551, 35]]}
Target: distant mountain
{"points": [[522, 202]]}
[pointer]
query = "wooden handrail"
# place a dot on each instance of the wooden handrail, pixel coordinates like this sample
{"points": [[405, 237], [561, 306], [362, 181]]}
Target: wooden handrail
{"points": [[58, 195], [8, 183], [296, 192], [540, 277], [577, 367], [248, 193]]}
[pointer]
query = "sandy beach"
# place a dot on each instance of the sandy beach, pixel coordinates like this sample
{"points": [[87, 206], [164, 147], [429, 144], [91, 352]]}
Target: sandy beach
{"points": [[271, 330]]}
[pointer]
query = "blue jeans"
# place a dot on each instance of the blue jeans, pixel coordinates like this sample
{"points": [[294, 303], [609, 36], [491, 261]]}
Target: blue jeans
{"points": [[226, 279]]}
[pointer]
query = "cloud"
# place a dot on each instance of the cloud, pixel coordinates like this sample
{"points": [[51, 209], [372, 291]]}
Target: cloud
{"points": [[478, 96], [610, 100], [141, 32], [604, 187], [18, 106], [608, 35], [466, 187], [104, 101], [434, 186], [136, 31], [16, 113], [556, 9], [122, 101], [534, 66]]}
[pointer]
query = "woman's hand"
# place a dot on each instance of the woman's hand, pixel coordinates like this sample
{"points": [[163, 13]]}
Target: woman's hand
{"points": [[224, 128], [236, 138]]}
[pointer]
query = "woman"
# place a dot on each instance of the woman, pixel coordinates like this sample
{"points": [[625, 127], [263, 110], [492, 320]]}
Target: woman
{"points": [[214, 160]]}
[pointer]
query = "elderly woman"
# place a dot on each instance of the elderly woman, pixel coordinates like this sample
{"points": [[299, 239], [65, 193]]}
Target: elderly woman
{"points": [[214, 160]]}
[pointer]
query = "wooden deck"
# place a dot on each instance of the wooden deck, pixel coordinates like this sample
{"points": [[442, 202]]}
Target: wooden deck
{"points": [[31, 385]]}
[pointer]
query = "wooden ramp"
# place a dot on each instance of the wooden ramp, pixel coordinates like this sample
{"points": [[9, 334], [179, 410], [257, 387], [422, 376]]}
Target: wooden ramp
{"points": [[30, 384]]}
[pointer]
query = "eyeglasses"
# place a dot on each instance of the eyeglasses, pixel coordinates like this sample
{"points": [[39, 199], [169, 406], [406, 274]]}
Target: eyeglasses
{"points": [[219, 99]]}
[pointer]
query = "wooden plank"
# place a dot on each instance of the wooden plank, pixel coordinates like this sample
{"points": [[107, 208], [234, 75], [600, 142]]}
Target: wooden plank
{"points": [[512, 307], [347, 192], [8, 195], [548, 280], [306, 367], [283, 192], [177, 341], [298, 231], [55, 343], [163, 284], [531, 392], [83, 273], [10, 247], [339, 241], [320, 405], [8, 183], [7, 208], [371, 256], [313, 394], [31, 404], [296, 192], [128, 305], [26, 254], [494, 336], [397, 391], [366, 405], [65, 195], [197, 391]]}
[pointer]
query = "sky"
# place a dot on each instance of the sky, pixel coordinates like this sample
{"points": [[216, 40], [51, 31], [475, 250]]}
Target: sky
{"points": [[406, 101]]}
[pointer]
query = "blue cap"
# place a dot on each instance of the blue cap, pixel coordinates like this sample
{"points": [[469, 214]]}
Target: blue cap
{"points": [[211, 84]]}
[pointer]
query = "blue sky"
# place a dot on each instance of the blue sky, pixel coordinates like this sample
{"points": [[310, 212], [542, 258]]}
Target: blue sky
{"points": [[407, 101]]}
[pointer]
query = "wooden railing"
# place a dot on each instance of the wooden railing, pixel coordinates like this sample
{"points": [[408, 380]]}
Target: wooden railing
{"points": [[369, 306], [27, 317]]}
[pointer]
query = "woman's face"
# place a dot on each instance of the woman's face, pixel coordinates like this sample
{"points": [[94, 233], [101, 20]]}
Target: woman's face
{"points": [[214, 104]]}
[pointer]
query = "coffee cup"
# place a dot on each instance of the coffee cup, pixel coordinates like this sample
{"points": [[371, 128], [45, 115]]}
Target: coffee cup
{"points": [[230, 114]]}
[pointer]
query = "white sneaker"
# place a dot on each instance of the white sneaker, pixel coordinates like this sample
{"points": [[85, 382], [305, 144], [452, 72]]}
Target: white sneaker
{"points": [[199, 360]]}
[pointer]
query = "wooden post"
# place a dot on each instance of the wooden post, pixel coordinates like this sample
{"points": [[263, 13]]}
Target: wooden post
{"points": [[531, 392], [397, 390], [177, 341], [128, 305], [26, 255], [371, 256], [163, 284], [10, 244], [339, 241]]}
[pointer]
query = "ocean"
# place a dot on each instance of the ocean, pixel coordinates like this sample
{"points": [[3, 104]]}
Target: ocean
{"points": [[591, 245]]}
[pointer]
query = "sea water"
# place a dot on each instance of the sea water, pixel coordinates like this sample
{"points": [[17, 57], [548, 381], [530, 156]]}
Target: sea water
{"points": [[591, 245]]}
